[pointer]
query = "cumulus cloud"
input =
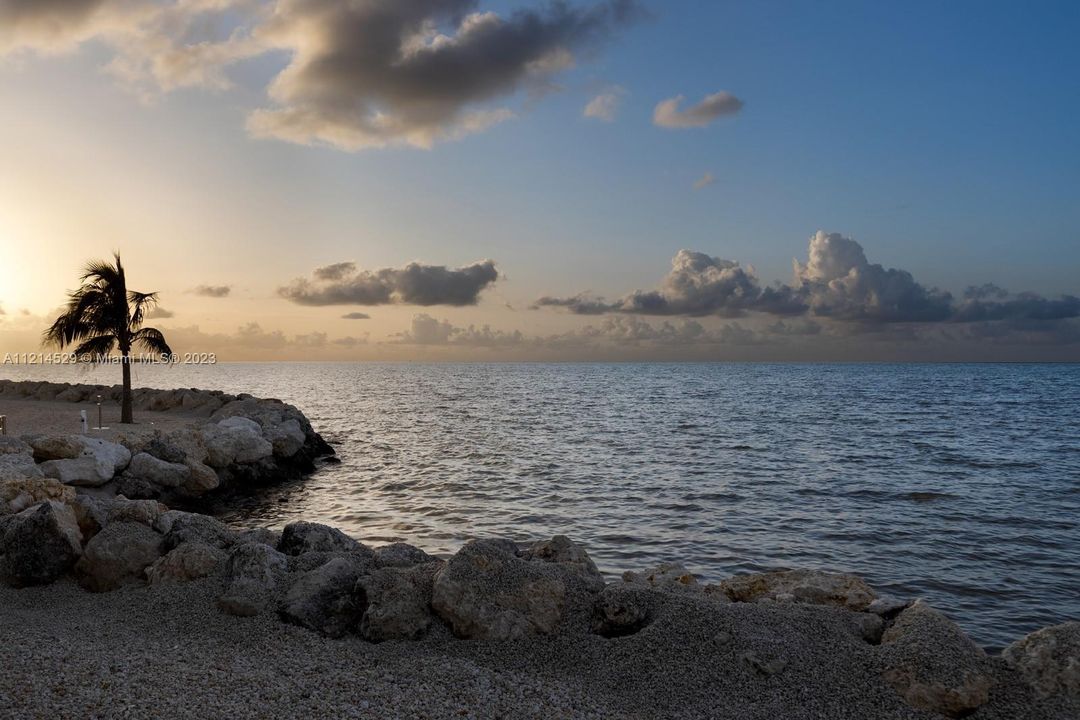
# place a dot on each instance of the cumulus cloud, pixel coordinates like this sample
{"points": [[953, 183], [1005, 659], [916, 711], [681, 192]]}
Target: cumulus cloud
{"points": [[160, 313], [704, 181], [356, 316], [413, 72], [360, 74], [670, 113], [605, 106], [212, 291], [837, 282], [414, 284], [426, 330]]}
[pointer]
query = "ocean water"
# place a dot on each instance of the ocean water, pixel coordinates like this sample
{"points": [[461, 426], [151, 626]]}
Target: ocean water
{"points": [[958, 483]]}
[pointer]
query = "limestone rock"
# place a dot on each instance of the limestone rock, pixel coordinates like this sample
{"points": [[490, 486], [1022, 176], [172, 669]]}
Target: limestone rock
{"points": [[78, 460], [18, 466], [287, 438], [398, 602], [146, 512], [933, 664], [118, 556], [303, 537], [561, 549], [234, 440], [18, 494], [39, 544], [324, 599], [813, 587], [1049, 659], [181, 527], [254, 578], [188, 561], [488, 591], [666, 577], [157, 472], [401, 555]]}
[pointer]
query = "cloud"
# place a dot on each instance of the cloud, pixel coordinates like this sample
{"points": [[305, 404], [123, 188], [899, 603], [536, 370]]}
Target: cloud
{"points": [[360, 74], [668, 113], [836, 283], [371, 74], [704, 181], [426, 330], [605, 106], [414, 284], [160, 313], [212, 291], [356, 316]]}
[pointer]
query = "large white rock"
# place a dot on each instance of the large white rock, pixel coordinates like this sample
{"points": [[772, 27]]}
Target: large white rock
{"points": [[287, 438], [96, 463], [234, 440], [16, 466]]}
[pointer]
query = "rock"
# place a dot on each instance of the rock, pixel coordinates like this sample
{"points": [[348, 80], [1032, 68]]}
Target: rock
{"points": [[182, 527], [1049, 659], [401, 555], [255, 576], [118, 556], [324, 599], [933, 665], [82, 461], [188, 561], [234, 440], [55, 447], [560, 549], [162, 449], [813, 587], [14, 446], [266, 536], [398, 601], [286, 438], [156, 472], [887, 606], [39, 544], [667, 577], [201, 480], [18, 466], [146, 512], [19, 494], [486, 591], [302, 537], [91, 512]]}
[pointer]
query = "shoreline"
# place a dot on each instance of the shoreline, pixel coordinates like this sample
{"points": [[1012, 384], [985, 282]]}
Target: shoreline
{"points": [[191, 617]]}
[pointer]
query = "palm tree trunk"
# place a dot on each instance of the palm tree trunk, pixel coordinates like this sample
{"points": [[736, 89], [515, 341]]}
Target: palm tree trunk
{"points": [[125, 403]]}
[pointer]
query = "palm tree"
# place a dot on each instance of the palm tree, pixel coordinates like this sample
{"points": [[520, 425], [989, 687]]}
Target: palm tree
{"points": [[102, 315]]}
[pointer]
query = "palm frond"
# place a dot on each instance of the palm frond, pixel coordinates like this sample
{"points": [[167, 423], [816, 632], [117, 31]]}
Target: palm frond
{"points": [[152, 340], [96, 348], [141, 303]]}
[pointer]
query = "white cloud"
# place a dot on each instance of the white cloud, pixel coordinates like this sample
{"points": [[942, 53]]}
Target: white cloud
{"points": [[605, 106], [669, 114]]}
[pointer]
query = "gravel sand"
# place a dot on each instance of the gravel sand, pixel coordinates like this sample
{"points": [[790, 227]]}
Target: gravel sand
{"points": [[29, 417], [165, 651]]}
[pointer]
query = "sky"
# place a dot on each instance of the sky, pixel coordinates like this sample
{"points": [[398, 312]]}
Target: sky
{"points": [[591, 180]]}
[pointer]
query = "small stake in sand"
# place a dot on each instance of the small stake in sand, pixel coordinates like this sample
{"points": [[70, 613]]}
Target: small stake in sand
{"points": [[3, 424], [82, 416]]}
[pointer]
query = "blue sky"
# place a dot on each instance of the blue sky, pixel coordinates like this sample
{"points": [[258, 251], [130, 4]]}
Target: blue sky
{"points": [[938, 135]]}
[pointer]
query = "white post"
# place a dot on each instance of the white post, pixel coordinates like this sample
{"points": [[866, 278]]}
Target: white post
{"points": [[82, 414]]}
